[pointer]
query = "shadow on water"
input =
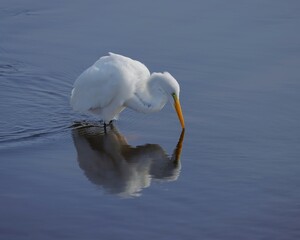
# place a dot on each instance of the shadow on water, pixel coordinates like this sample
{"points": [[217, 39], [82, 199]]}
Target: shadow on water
{"points": [[110, 162]]}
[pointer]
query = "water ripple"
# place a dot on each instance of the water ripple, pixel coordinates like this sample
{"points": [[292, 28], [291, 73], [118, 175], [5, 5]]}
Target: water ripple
{"points": [[33, 103]]}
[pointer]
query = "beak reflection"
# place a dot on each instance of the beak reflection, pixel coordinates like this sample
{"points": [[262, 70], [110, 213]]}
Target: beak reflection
{"points": [[109, 161]]}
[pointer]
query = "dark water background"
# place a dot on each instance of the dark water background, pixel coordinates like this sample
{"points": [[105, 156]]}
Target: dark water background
{"points": [[238, 64]]}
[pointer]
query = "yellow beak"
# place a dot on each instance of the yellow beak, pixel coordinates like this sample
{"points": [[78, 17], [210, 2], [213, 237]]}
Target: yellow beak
{"points": [[178, 110]]}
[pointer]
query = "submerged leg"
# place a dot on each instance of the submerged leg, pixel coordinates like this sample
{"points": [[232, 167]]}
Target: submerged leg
{"points": [[104, 125]]}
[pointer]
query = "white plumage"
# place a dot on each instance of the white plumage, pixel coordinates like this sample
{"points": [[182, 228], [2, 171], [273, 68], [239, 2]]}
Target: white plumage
{"points": [[115, 82]]}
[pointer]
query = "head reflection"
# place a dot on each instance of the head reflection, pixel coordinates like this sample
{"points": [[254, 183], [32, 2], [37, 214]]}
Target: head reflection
{"points": [[109, 161]]}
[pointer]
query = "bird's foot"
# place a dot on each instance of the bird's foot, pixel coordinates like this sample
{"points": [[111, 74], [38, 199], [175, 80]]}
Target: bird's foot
{"points": [[106, 125]]}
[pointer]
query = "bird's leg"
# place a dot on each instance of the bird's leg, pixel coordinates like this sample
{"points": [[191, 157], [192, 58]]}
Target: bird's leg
{"points": [[104, 125], [111, 125]]}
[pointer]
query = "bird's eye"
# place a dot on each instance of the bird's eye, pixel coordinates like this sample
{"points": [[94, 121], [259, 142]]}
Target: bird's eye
{"points": [[174, 96]]}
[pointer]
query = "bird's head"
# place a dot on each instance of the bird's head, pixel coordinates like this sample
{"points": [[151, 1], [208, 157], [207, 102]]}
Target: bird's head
{"points": [[172, 89]]}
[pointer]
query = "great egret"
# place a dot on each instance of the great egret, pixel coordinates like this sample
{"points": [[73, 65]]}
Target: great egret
{"points": [[115, 82]]}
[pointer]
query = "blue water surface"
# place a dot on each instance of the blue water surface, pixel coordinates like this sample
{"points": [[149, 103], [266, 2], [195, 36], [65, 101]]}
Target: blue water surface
{"points": [[233, 174]]}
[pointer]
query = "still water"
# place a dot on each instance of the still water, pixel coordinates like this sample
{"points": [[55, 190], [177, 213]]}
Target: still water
{"points": [[233, 174]]}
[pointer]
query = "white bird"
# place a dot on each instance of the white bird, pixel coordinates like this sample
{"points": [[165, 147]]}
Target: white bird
{"points": [[115, 82]]}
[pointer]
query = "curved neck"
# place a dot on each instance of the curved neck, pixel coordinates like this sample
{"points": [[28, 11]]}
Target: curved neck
{"points": [[149, 97], [154, 93]]}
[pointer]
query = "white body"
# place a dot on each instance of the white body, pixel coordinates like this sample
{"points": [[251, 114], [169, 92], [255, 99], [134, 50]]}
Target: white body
{"points": [[115, 82]]}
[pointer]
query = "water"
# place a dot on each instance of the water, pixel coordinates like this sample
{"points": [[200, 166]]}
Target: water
{"points": [[233, 175]]}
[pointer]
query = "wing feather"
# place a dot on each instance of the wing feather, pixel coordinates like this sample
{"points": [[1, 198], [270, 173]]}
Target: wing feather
{"points": [[94, 88], [108, 84]]}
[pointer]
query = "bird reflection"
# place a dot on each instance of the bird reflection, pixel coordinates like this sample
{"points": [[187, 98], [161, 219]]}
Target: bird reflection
{"points": [[109, 161]]}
